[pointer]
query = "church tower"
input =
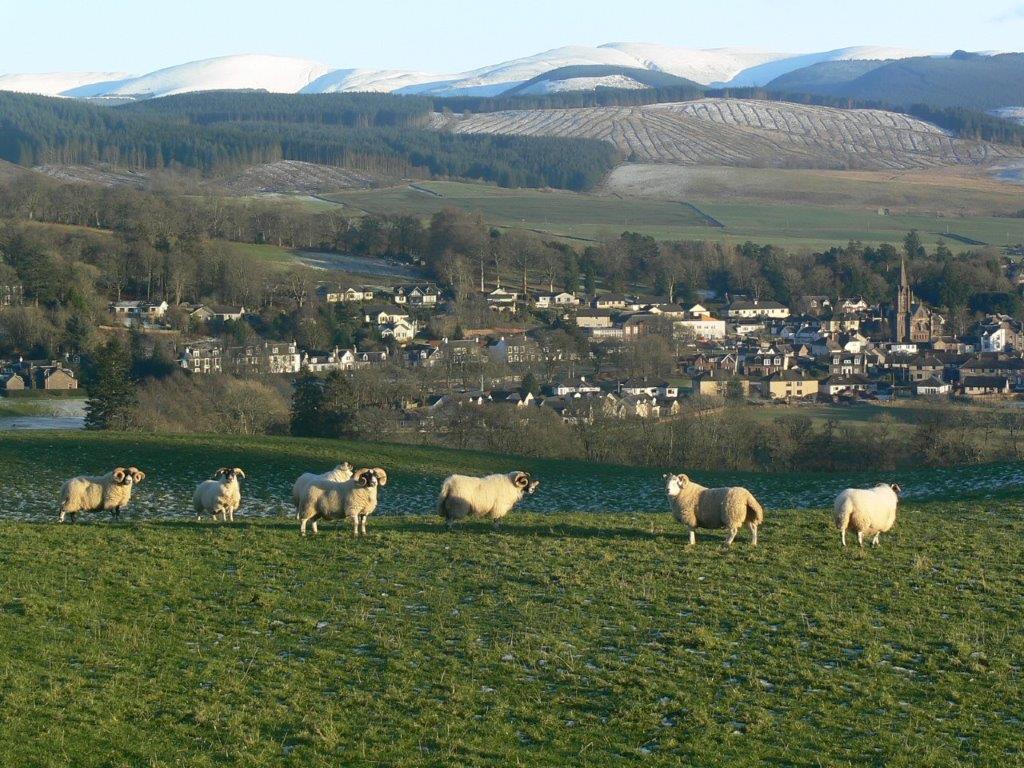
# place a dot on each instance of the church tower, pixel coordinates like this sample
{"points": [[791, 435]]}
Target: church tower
{"points": [[904, 307]]}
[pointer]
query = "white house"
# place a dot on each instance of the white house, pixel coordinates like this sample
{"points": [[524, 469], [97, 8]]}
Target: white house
{"points": [[756, 308], [549, 300]]}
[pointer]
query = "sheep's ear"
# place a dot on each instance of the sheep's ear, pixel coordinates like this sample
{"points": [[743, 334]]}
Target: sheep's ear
{"points": [[382, 476], [345, 465], [119, 474], [137, 474], [239, 472]]}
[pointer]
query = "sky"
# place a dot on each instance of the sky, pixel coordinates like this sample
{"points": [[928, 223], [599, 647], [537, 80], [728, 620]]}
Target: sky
{"points": [[442, 36]]}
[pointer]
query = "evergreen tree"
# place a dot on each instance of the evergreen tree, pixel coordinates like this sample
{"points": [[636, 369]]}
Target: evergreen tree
{"points": [[110, 387], [323, 407]]}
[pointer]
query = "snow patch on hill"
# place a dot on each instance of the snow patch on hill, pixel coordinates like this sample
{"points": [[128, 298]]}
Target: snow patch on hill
{"points": [[56, 83], [581, 84]]}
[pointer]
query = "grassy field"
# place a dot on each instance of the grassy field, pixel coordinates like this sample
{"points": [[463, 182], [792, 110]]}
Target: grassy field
{"points": [[565, 639], [788, 223]]}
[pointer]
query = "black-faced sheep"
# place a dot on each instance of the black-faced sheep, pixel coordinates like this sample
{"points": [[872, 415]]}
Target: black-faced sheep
{"points": [[696, 507], [91, 493], [867, 511], [339, 474], [355, 499], [219, 496], [490, 497]]}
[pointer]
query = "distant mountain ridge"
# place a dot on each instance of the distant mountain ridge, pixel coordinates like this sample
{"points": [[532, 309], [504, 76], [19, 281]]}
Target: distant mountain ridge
{"points": [[719, 66], [972, 81]]}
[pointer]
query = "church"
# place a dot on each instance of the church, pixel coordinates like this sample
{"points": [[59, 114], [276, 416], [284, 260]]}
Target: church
{"points": [[911, 321]]}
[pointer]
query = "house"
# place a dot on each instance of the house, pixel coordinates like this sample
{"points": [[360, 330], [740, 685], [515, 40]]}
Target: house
{"points": [[704, 328], [842, 363], [199, 313], [11, 382], [814, 305], [11, 294], [514, 350], [784, 385], [642, 386], [416, 296], [998, 333], [853, 306], [594, 319], [579, 387], [611, 301], [756, 308], [931, 387], [402, 330], [720, 383], [147, 312], [263, 357], [346, 295], [383, 314], [501, 300], [765, 361], [336, 360], [841, 384], [553, 300], [511, 397], [54, 377], [984, 386], [202, 357], [227, 314]]}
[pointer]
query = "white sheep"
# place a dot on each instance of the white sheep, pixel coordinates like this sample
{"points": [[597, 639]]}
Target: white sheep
{"points": [[355, 498], [696, 507], [867, 511], [219, 496], [339, 474], [491, 497], [91, 493]]}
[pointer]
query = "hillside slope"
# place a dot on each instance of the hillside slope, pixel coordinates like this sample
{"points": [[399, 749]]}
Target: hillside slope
{"points": [[744, 133]]}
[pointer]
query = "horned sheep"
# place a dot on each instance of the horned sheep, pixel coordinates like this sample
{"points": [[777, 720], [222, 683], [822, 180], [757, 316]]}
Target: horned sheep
{"points": [[219, 496], [91, 493], [355, 499], [491, 497], [867, 511], [695, 506], [339, 474]]}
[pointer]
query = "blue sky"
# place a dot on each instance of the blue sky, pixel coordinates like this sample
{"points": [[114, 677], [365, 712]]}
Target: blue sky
{"points": [[455, 35]]}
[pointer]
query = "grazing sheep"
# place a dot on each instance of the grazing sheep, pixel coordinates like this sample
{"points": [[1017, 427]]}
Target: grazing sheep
{"points": [[219, 496], [355, 498], [490, 497], [91, 493], [867, 511], [696, 507], [339, 474]]}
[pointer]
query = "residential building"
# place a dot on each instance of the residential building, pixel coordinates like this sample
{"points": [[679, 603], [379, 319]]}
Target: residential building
{"points": [[784, 385], [756, 308]]}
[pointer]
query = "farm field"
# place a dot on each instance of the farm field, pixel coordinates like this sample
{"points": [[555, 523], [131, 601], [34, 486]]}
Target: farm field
{"points": [[566, 638], [592, 217]]}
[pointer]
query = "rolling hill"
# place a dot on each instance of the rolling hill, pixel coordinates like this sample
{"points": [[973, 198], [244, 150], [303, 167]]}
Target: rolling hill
{"points": [[589, 77], [966, 80], [733, 132]]}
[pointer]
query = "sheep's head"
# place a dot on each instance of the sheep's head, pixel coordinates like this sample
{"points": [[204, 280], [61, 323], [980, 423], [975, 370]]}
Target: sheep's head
{"points": [[371, 477], [344, 467], [674, 484], [524, 482], [896, 489], [229, 474]]}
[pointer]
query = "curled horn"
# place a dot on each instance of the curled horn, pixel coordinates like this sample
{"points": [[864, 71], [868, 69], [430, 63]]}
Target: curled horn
{"points": [[382, 476], [119, 474], [137, 474], [220, 472], [239, 472], [360, 477], [522, 479]]}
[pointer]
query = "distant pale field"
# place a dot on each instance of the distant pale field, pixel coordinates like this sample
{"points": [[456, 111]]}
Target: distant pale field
{"points": [[789, 224]]}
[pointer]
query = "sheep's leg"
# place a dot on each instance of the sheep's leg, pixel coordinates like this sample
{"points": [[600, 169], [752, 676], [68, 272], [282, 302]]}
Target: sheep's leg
{"points": [[874, 541], [753, 534], [355, 526], [62, 515], [693, 537], [302, 526], [842, 531], [860, 538], [732, 537], [496, 525], [362, 524]]}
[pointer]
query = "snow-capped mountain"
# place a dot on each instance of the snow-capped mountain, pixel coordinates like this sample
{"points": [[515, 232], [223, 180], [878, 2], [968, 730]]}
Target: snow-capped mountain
{"points": [[279, 74]]}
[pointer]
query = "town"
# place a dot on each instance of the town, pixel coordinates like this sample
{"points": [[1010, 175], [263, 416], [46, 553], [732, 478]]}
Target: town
{"points": [[573, 351]]}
